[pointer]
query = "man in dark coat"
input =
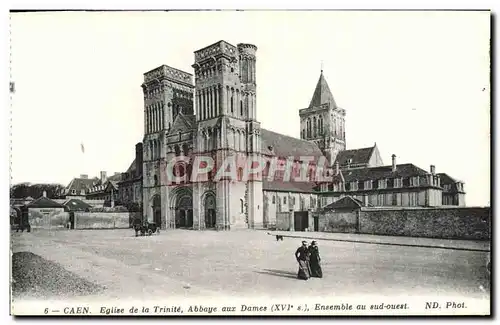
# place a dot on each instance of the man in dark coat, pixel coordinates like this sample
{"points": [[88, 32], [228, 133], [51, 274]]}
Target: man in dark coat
{"points": [[302, 256], [315, 261]]}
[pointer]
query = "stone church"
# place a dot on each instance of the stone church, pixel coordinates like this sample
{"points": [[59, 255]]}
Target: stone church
{"points": [[216, 115]]}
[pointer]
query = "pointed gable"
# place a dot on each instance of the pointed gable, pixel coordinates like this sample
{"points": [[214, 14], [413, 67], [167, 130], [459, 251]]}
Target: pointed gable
{"points": [[44, 202], [322, 94], [347, 202], [182, 123]]}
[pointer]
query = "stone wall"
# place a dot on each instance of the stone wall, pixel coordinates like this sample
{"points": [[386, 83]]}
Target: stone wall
{"points": [[446, 222], [283, 220], [104, 220], [45, 218], [338, 221]]}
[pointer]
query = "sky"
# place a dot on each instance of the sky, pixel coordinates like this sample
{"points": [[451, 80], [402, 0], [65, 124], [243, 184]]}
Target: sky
{"points": [[415, 83]]}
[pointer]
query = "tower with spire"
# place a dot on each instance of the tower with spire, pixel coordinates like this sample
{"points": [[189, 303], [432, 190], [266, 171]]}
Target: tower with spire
{"points": [[323, 122]]}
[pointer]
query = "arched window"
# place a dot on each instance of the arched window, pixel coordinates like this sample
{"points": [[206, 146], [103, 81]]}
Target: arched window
{"points": [[242, 206], [232, 101], [156, 180], [320, 125], [185, 149], [240, 174], [308, 126], [189, 170], [241, 107], [177, 150], [314, 127], [303, 133]]}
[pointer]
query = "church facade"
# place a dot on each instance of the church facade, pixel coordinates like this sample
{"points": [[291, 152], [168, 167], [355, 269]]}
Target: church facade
{"points": [[213, 113]]}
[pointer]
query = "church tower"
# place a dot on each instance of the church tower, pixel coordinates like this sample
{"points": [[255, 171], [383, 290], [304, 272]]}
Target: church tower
{"points": [[323, 122], [225, 101], [167, 91]]}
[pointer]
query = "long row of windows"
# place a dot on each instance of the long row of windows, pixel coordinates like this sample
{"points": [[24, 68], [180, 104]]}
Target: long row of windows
{"points": [[281, 201], [374, 184], [391, 199]]}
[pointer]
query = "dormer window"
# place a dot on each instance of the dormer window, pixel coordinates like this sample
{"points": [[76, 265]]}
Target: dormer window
{"points": [[414, 181], [382, 183], [270, 148]]}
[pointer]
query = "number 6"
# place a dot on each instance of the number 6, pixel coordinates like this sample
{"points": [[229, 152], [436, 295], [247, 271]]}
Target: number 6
{"points": [[46, 311]]}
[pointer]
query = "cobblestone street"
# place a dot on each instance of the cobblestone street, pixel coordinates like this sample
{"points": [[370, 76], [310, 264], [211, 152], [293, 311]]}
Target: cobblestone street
{"points": [[251, 263]]}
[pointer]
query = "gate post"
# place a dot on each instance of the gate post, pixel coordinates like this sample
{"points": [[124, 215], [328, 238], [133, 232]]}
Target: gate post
{"points": [[310, 220]]}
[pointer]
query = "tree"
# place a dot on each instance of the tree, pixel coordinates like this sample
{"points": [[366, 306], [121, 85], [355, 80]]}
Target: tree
{"points": [[24, 190]]}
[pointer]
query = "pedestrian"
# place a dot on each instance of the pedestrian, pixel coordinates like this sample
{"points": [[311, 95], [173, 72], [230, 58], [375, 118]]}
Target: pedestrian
{"points": [[315, 260], [302, 256]]}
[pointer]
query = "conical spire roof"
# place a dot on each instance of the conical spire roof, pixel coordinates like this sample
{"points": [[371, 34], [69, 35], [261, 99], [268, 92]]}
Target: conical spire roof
{"points": [[322, 93]]}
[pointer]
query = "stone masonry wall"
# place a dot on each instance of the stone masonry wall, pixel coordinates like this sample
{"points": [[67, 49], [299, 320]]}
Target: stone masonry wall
{"points": [[283, 220], [102, 220], [452, 223], [340, 221]]}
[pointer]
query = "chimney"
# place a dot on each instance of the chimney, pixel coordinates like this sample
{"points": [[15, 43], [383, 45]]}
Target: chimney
{"points": [[337, 168], [393, 162], [433, 170], [103, 176], [44, 194], [85, 176], [138, 159]]}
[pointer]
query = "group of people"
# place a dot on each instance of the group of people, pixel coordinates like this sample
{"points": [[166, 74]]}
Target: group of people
{"points": [[309, 261]]}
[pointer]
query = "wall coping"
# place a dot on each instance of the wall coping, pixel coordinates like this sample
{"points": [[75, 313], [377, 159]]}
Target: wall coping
{"points": [[445, 207]]}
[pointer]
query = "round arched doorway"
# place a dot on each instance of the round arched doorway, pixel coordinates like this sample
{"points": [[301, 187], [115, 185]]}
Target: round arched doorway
{"points": [[156, 206], [210, 217], [184, 213]]}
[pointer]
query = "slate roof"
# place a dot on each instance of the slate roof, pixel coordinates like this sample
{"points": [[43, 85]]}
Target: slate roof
{"points": [[280, 145], [446, 179], [358, 156], [79, 184], [346, 202], [44, 202], [132, 167], [300, 187], [77, 205], [383, 172], [322, 94], [115, 178]]}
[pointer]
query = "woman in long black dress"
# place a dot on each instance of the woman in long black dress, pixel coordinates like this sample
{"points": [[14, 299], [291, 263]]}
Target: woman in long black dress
{"points": [[302, 256], [315, 261]]}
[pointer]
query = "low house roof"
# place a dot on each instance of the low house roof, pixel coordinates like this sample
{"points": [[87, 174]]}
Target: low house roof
{"points": [[44, 202], [76, 205], [347, 202]]}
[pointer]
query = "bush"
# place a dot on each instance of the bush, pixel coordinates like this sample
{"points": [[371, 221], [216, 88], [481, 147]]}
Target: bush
{"points": [[108, 209]]}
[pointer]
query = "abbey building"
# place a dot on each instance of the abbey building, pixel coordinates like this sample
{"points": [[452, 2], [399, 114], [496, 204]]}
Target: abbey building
{"points": [[214, 113]]}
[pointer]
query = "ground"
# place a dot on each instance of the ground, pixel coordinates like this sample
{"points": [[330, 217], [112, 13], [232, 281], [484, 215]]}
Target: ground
{"points": [[115, 264]]}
